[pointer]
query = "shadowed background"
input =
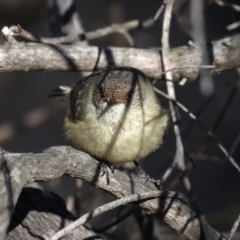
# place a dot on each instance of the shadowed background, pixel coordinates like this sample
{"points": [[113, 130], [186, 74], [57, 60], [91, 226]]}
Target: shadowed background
{"points": [[30, 122]]}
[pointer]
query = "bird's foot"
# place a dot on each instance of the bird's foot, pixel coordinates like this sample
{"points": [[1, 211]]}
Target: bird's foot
{"points": [[139, 168], [105, 170], [157, 182]]}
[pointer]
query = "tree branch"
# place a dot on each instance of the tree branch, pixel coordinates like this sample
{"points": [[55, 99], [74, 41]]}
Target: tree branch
{"points": [[137, 197], [19, 169], [121, 28], [38, 214], [16, 56]]}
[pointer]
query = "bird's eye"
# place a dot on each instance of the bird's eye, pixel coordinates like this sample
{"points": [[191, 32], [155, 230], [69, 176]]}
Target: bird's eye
{"points": [[130, 94]]}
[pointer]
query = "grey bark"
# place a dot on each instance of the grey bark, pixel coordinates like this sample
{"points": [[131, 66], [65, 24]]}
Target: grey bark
{"points": [[224, 55], [19, 169], [38, 214]]}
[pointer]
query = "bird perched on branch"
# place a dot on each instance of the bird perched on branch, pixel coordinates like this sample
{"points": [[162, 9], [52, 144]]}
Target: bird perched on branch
{"points": [[114, 115]]}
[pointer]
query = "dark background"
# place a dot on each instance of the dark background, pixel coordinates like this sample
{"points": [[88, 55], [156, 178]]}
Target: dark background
{"points": [[30, 122]]}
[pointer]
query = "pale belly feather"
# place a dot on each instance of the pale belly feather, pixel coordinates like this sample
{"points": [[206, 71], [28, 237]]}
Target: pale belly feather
{"points": [[120, 135]]}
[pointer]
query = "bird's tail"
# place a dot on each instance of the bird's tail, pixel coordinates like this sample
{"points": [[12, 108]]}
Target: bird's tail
{"points": [[61, 91]]}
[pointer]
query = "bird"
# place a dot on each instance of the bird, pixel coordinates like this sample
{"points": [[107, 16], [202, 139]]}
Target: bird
{"points": [[114, 115]]}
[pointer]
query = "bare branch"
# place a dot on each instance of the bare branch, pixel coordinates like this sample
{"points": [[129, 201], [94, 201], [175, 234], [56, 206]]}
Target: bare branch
{"points": [[233, 26], [198, 32], [225, 4], [207, 102], [191, 115], [8, 34], [18, 169], [116, 221], [104, 208], [121, 28], [160, 10], [48, 57], [220, 118], [37, 207], [234, 228], [179, 154], [234, 145]]}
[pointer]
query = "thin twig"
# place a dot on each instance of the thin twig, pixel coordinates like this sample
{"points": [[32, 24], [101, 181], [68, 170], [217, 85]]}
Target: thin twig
{"points": [[191, 115], [235, 144], [8, 34], [206, 157], [233, 26], [199, 36], [121, 28], [177, 68], [206, 103], [160, 10], [222, 3], [179, 155], [171, 207], [184, 80], [219, 120], [117, 221], [104, 208], [193, 197], [234, 228]]}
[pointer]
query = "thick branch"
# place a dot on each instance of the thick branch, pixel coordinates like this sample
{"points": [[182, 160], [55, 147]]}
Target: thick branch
{"points": [[38, 214], [225, 55], [19, 169]]}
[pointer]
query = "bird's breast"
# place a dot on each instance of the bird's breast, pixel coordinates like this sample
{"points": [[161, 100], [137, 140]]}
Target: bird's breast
{"points": [[122, 134]]}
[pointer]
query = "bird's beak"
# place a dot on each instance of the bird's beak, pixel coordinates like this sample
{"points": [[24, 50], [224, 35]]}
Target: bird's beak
{"points": [[113, 97], [111, 102]]}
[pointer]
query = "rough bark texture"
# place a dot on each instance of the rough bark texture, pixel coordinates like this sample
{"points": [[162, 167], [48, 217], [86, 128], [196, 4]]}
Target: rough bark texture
{"points": [[224, 54], [19, 169], [38, 214]]}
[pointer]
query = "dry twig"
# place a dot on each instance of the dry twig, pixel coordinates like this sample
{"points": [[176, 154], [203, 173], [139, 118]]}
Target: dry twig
{"points": [[192, 116], [198, 33], [121, 28], [160, 10], [234, 228], [104, 208], [179, 154], [226, 4]]}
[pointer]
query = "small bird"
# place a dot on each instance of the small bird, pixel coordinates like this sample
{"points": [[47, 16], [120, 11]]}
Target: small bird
{"points": [[114, 115]]}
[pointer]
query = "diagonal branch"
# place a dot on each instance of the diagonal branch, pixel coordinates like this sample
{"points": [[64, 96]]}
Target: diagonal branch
{"points": [[210, 134], [226, 4], [121, 28], [104, 208], [234, 228]]}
